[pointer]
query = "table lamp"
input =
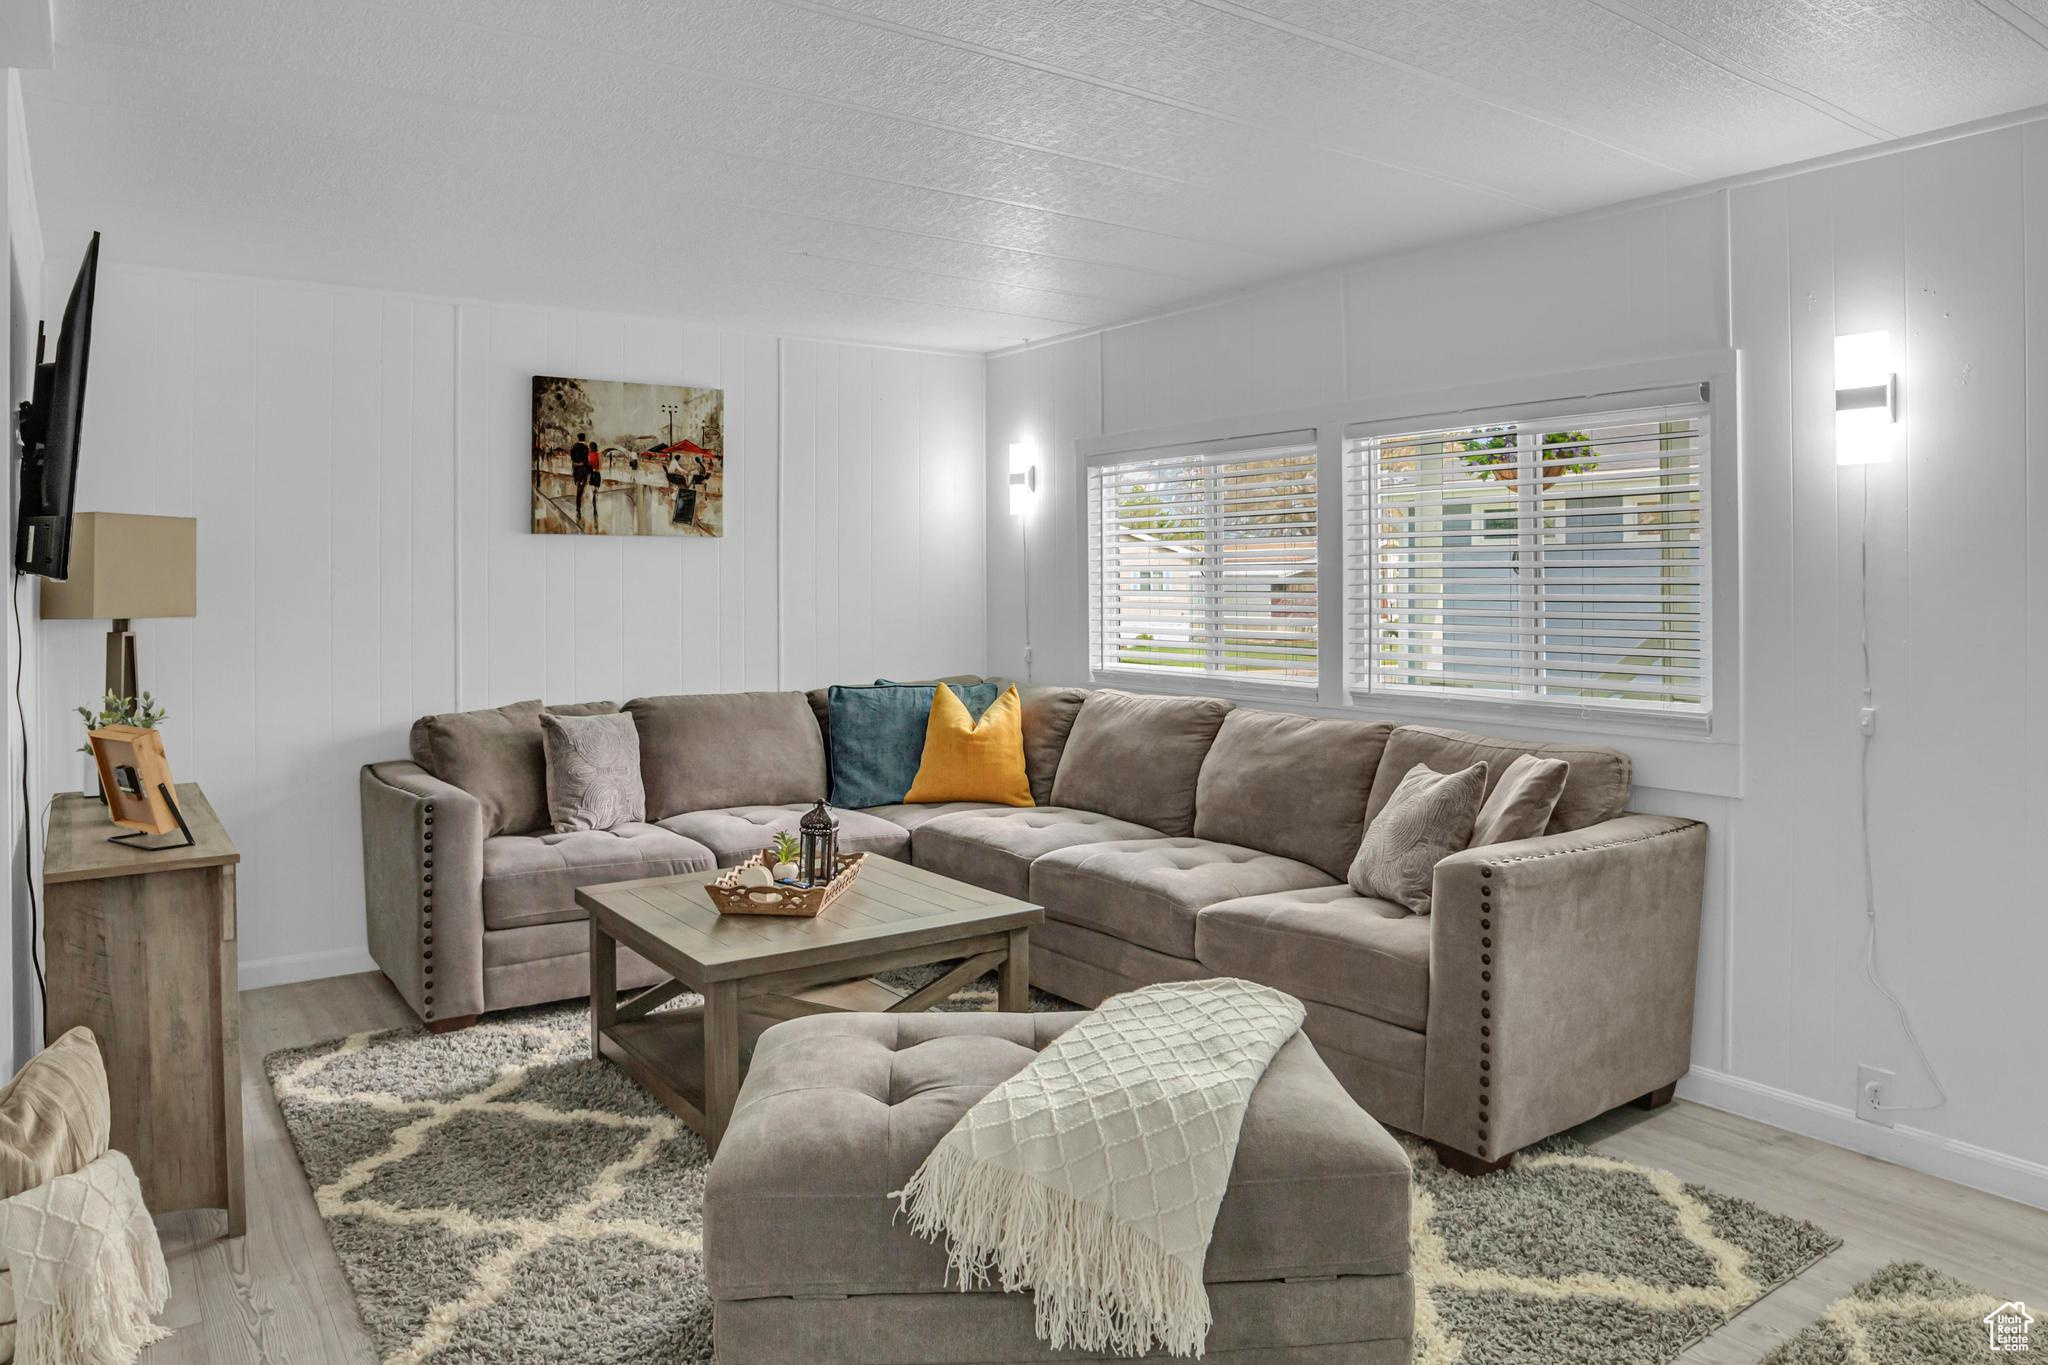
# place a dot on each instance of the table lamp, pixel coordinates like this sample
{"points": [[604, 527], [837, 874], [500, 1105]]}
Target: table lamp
{"points": [[125, 568]]}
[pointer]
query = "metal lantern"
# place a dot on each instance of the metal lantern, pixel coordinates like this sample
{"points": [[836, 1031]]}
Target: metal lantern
{"points": [[817, 837]]}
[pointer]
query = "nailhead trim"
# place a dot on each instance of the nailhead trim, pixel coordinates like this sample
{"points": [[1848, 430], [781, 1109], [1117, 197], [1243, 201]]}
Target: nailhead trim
{"points": [[427, 912], [1485, 1030]]}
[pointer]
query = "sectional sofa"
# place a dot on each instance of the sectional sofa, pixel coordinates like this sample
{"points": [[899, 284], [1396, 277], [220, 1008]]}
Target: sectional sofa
{"points": [[1175, 838]]}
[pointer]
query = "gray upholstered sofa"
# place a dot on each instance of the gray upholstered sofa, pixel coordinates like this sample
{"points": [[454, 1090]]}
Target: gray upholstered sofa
{"points": [[1176, 837]]}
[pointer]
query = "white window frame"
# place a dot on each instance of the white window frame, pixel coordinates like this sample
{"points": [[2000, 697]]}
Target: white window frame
{"points": [[1203, 683], [1529, 420], [1529, 398]]}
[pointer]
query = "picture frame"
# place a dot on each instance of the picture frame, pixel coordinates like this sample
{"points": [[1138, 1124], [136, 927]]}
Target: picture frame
{"points": [[135, 777], [613, 458]]}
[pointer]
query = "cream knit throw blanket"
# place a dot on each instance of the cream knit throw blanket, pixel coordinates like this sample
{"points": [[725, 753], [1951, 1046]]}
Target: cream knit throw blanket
{"points": [[87, 1270], [1093, 1175]]}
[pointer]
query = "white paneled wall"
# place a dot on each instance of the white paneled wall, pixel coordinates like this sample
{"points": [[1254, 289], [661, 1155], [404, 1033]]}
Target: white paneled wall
{"points": [[1946, 246], [881, 507], [20, 1008], [358, 465]]}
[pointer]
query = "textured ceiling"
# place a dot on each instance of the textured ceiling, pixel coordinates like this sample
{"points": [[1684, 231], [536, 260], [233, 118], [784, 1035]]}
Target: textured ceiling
{"points": [[942, 172]]}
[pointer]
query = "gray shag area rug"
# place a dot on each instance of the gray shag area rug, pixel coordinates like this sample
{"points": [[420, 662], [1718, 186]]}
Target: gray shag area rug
{"points": [[495, 1196], [1905, 1314]]}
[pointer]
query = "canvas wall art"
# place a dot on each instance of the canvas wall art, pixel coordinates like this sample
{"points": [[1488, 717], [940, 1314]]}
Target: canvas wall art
{"points": [[616, 459]]}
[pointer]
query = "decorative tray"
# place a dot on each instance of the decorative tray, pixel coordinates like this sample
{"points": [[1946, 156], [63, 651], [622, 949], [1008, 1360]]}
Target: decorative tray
{"points": [[781, 898]]}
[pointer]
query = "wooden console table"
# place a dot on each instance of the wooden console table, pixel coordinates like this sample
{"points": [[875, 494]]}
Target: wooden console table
{"points": [[139, 947]]}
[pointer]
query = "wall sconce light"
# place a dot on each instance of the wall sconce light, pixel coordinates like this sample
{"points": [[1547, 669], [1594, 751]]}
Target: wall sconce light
{"points": [[1866, 398], [1023, 477]]}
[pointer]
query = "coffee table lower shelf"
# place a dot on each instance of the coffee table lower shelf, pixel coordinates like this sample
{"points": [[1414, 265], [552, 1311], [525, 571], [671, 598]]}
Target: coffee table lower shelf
{"points": [[665, 1051]]}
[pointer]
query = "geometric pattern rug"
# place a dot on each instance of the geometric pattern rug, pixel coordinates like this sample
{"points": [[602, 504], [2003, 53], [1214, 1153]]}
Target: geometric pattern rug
{"points": [[1905, 1314], [494, 1195]]}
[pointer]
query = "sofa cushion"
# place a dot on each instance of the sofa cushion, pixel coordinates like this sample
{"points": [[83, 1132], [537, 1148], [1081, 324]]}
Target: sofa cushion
{"points": [[915, 818], [994, 849], [838, 1110], [496, 756], [728, 749], [1291, 785], [1327, 944], [1048, 718], [1146, 891], [1596, 789], [737, 833], [532, 878], [1138, 758]]}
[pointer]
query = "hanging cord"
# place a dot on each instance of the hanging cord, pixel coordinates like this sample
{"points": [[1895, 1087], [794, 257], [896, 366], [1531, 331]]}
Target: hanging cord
{"points": [[35, 930], [1870, 968], [1030, 662]]}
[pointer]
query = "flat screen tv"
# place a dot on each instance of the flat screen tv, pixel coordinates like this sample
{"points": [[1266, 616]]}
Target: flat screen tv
{"points": [[49, 435]]}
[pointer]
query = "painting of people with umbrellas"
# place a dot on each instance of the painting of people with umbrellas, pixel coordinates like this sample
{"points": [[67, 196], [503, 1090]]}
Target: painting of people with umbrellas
{"points": [[618, 459]]}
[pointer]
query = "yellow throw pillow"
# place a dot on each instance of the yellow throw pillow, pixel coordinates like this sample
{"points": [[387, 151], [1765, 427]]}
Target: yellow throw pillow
{"points": [[969, 761]]}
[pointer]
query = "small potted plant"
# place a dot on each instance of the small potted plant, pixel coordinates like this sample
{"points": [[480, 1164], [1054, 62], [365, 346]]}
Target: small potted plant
{"points": [[782, 857], [141, 712]]}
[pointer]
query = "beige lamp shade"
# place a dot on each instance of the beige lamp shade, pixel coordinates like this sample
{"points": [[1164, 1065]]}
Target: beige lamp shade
{"points": [[127, 567]]}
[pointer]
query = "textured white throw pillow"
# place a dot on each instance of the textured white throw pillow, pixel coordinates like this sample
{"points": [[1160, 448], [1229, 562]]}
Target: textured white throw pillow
{"points": [[1428, 819], [593, 771]]}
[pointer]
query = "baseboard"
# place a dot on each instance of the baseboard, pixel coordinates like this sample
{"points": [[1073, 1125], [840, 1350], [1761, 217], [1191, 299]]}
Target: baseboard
{"points": [[280, 971], [2009, 1177]]}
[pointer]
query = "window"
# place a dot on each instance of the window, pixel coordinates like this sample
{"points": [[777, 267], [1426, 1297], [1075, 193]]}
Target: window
{"points": [[1557, 562], [1203, 562]]}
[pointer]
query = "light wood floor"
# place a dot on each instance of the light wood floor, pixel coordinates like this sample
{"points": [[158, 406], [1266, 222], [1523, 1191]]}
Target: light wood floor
{"points": [[279, 1295]]}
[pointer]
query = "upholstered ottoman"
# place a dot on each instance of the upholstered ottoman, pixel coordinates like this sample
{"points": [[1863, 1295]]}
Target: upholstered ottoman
{"points": [[807, 1261]]}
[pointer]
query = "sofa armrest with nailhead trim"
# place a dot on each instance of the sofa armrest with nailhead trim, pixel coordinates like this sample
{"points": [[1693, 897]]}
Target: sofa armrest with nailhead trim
{"points": [[1560, 979], [423, 842]]}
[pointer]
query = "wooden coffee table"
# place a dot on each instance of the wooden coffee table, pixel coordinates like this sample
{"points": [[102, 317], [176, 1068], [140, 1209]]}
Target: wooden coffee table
{"points": [[755, 970]]}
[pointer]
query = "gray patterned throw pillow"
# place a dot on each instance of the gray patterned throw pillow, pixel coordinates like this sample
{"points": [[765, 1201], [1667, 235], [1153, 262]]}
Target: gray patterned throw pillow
{"points": [[1429, 818], [593, 771]]}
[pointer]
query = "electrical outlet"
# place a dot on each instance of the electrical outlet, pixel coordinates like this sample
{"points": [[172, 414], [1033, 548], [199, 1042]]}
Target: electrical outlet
{"points": [[1873, 1087]]}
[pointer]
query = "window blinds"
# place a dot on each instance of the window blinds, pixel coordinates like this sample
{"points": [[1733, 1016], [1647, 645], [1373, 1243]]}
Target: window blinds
{"points": [[1561, 561], [1204, 563]]}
